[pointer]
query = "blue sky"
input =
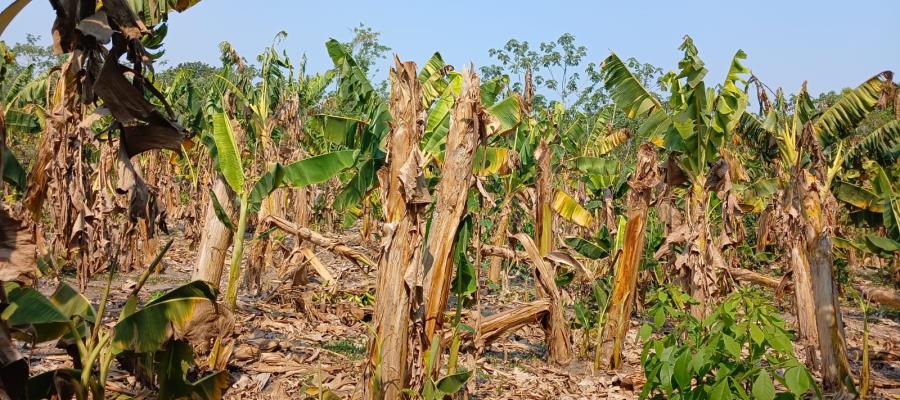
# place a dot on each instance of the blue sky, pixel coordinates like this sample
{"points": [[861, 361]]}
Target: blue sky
{"points": [[832, 44]]}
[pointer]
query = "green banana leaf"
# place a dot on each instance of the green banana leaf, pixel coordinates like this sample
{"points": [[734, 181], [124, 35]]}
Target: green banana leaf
{"points": [[354, 191], [172, 367], [220, 211], [586, 248], [301, 173], [44, 385], [230, 164], [890, 202], [153, 12], [438, 122], [13, 172], [851, 108], [42, 319], [338, 129], [882, 246], [504, 116], [626, 90], [431, 78]]}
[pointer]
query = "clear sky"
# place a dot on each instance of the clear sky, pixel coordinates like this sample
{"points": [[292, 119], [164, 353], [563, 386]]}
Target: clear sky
{"points": [[832, 44]]}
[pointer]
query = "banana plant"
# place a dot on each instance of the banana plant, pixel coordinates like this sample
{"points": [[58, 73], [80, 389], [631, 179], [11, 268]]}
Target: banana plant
{"points": [[441, 387], [301, 173], [810, 146], [145, 333], [362, 122], [24, 109], [606, 179], [692, 128]]}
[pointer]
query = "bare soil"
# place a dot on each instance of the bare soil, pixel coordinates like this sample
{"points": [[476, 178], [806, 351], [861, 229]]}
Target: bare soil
{"points": [[293, 343]]}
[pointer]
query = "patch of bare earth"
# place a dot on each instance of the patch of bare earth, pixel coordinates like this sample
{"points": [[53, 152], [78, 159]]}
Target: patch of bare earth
{"points": [[295, 343]]}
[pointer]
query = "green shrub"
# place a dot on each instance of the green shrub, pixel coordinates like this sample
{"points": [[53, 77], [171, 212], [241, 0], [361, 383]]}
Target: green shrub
{"points": [[740, 351]]}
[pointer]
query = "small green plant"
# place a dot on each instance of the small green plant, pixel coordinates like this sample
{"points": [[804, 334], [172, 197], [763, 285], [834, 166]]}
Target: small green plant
{"points": [[142, 335], [346, 348], [225, 151], [438, 388], [739, 351], [591, 314]]}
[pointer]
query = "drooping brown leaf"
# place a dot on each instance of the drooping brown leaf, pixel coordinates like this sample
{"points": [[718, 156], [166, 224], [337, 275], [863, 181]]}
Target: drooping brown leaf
{"points": [[126, 104], [498, 325], [96, 25], [131, 183], [528, 93], [17, 250], [556, 327], [68, 13], [13, 367], [499, 239], [563, 258], [318, 239], [121, 14], [158, 135]]}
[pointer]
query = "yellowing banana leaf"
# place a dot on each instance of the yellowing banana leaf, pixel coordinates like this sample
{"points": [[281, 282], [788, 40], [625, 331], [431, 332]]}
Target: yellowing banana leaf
{"points": [[609, 142], [228, 153], [735, 167], [858, 197], [620, 235], [569, 209], [491, 160], [147, 329]]}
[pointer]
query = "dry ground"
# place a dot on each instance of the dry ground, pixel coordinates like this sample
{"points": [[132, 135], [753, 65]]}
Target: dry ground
{"points": [[292, 341]]}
